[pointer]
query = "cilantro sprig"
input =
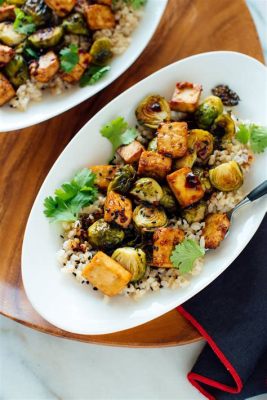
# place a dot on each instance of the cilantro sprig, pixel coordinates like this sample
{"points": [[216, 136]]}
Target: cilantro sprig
{"points": [[185, 254], [69, 57], [23, 23], [93, 74], [253, 134], [71, 197], [118, 132]]}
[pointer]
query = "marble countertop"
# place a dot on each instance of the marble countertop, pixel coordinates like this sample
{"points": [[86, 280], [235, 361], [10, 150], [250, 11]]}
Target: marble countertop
{"points": [[35, 366]]}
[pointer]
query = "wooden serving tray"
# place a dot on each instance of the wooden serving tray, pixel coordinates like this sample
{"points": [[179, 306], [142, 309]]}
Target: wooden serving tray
{"points": [[188, 27]]}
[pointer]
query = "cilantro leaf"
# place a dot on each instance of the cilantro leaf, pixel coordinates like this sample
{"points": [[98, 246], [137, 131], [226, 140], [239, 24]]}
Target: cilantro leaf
{"points": [[185, 254], [118, 132], [93, 74], [71, 197], [28, 51], [243, 133], [253, 134], [23, 23], [69, 57]]}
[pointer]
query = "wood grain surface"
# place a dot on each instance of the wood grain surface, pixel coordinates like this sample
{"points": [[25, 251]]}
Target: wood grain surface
{"points": [[188, 27]]}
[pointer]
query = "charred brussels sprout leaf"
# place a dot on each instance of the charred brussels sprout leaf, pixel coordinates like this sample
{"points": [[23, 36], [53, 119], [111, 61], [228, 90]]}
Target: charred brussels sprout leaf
{"points": [[102, 235], [134, 260], [226, 177], [153, 110]]}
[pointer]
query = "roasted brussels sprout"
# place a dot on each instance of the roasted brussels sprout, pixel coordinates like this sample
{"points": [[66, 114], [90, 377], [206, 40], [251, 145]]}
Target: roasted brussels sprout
{"points": [[203, 176], [134, 260], [195, 213], [9, 36], [102, 235], [38, 10], [149, 218], [168, 200], [152, 111], [17, 70], [186, 161], [45, 38], [153, 144], [75, 24], [147, 189], [101, 51], [201, 142], [208, 111], [226, 177], [123, 179], [223, 127]]}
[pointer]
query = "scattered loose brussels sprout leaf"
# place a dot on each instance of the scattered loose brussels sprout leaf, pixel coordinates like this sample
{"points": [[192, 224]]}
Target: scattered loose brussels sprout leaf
{"points": [[102, 235], [153, 110], [168, 200], [208, 111], [149, 218], [201, 142], [17, 70], [195, 213], [9, 36], [38, 11], [101, 51], [223, 127], [226, 177], [147, 189], [45, 38], [203, 176], [186, 161], [134, 260], [123, 179], [153, 144], [75, 24]]}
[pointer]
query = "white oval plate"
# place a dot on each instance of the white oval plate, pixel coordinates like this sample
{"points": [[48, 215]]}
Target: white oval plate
{"points": [[63, 301], [50, 106]]}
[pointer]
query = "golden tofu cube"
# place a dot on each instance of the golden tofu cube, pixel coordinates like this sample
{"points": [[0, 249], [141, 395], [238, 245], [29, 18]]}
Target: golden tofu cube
{"points": [[77, 72], [186, 97], [104, 175], [6, 90], [106, 274], [164, 241], [45, 68], [154, 165], [61, 7], [131, 153], [118, 209], [172, 139], [99, 16], [186, 186], [6, 54], [216, 227], [7, 13]]}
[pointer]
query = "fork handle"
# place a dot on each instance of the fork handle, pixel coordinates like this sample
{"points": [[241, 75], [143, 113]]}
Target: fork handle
{"points": [[258, 192]]}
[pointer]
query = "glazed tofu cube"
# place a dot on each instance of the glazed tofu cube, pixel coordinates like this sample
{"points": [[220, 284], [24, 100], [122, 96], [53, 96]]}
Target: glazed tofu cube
{"points": [[106, 274], [99, 17], [7, 13], [216, 227], [6, 54], [104, 175], [186, 186], [172, 139], [118, 209], [154, 165], [131, 153], [164, 241], [6, 90], [61, 7], [186, 97], [77, 72], [45, 68]]}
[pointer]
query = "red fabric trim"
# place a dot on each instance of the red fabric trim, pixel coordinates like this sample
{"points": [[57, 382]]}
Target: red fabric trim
{"points": [[194, 378]]}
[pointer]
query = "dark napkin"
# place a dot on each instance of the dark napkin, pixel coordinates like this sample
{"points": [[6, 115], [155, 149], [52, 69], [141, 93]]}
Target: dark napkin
{"points": [[231, 314]]}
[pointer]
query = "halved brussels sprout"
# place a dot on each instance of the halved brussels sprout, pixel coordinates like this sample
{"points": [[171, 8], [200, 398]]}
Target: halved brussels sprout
{"points": [[195, 213], [226, 177], [123, 179], [134, 260], [9, 36], [203, 176], [153, 144], [168, 200], [153, 110], [102, 235], [149, 218], [17, 70], [223, 127], [75, 24], [186, 161], [208, 111], [201, 142], [38, 10], [45, 38], [101, 51], [147, 189]]}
